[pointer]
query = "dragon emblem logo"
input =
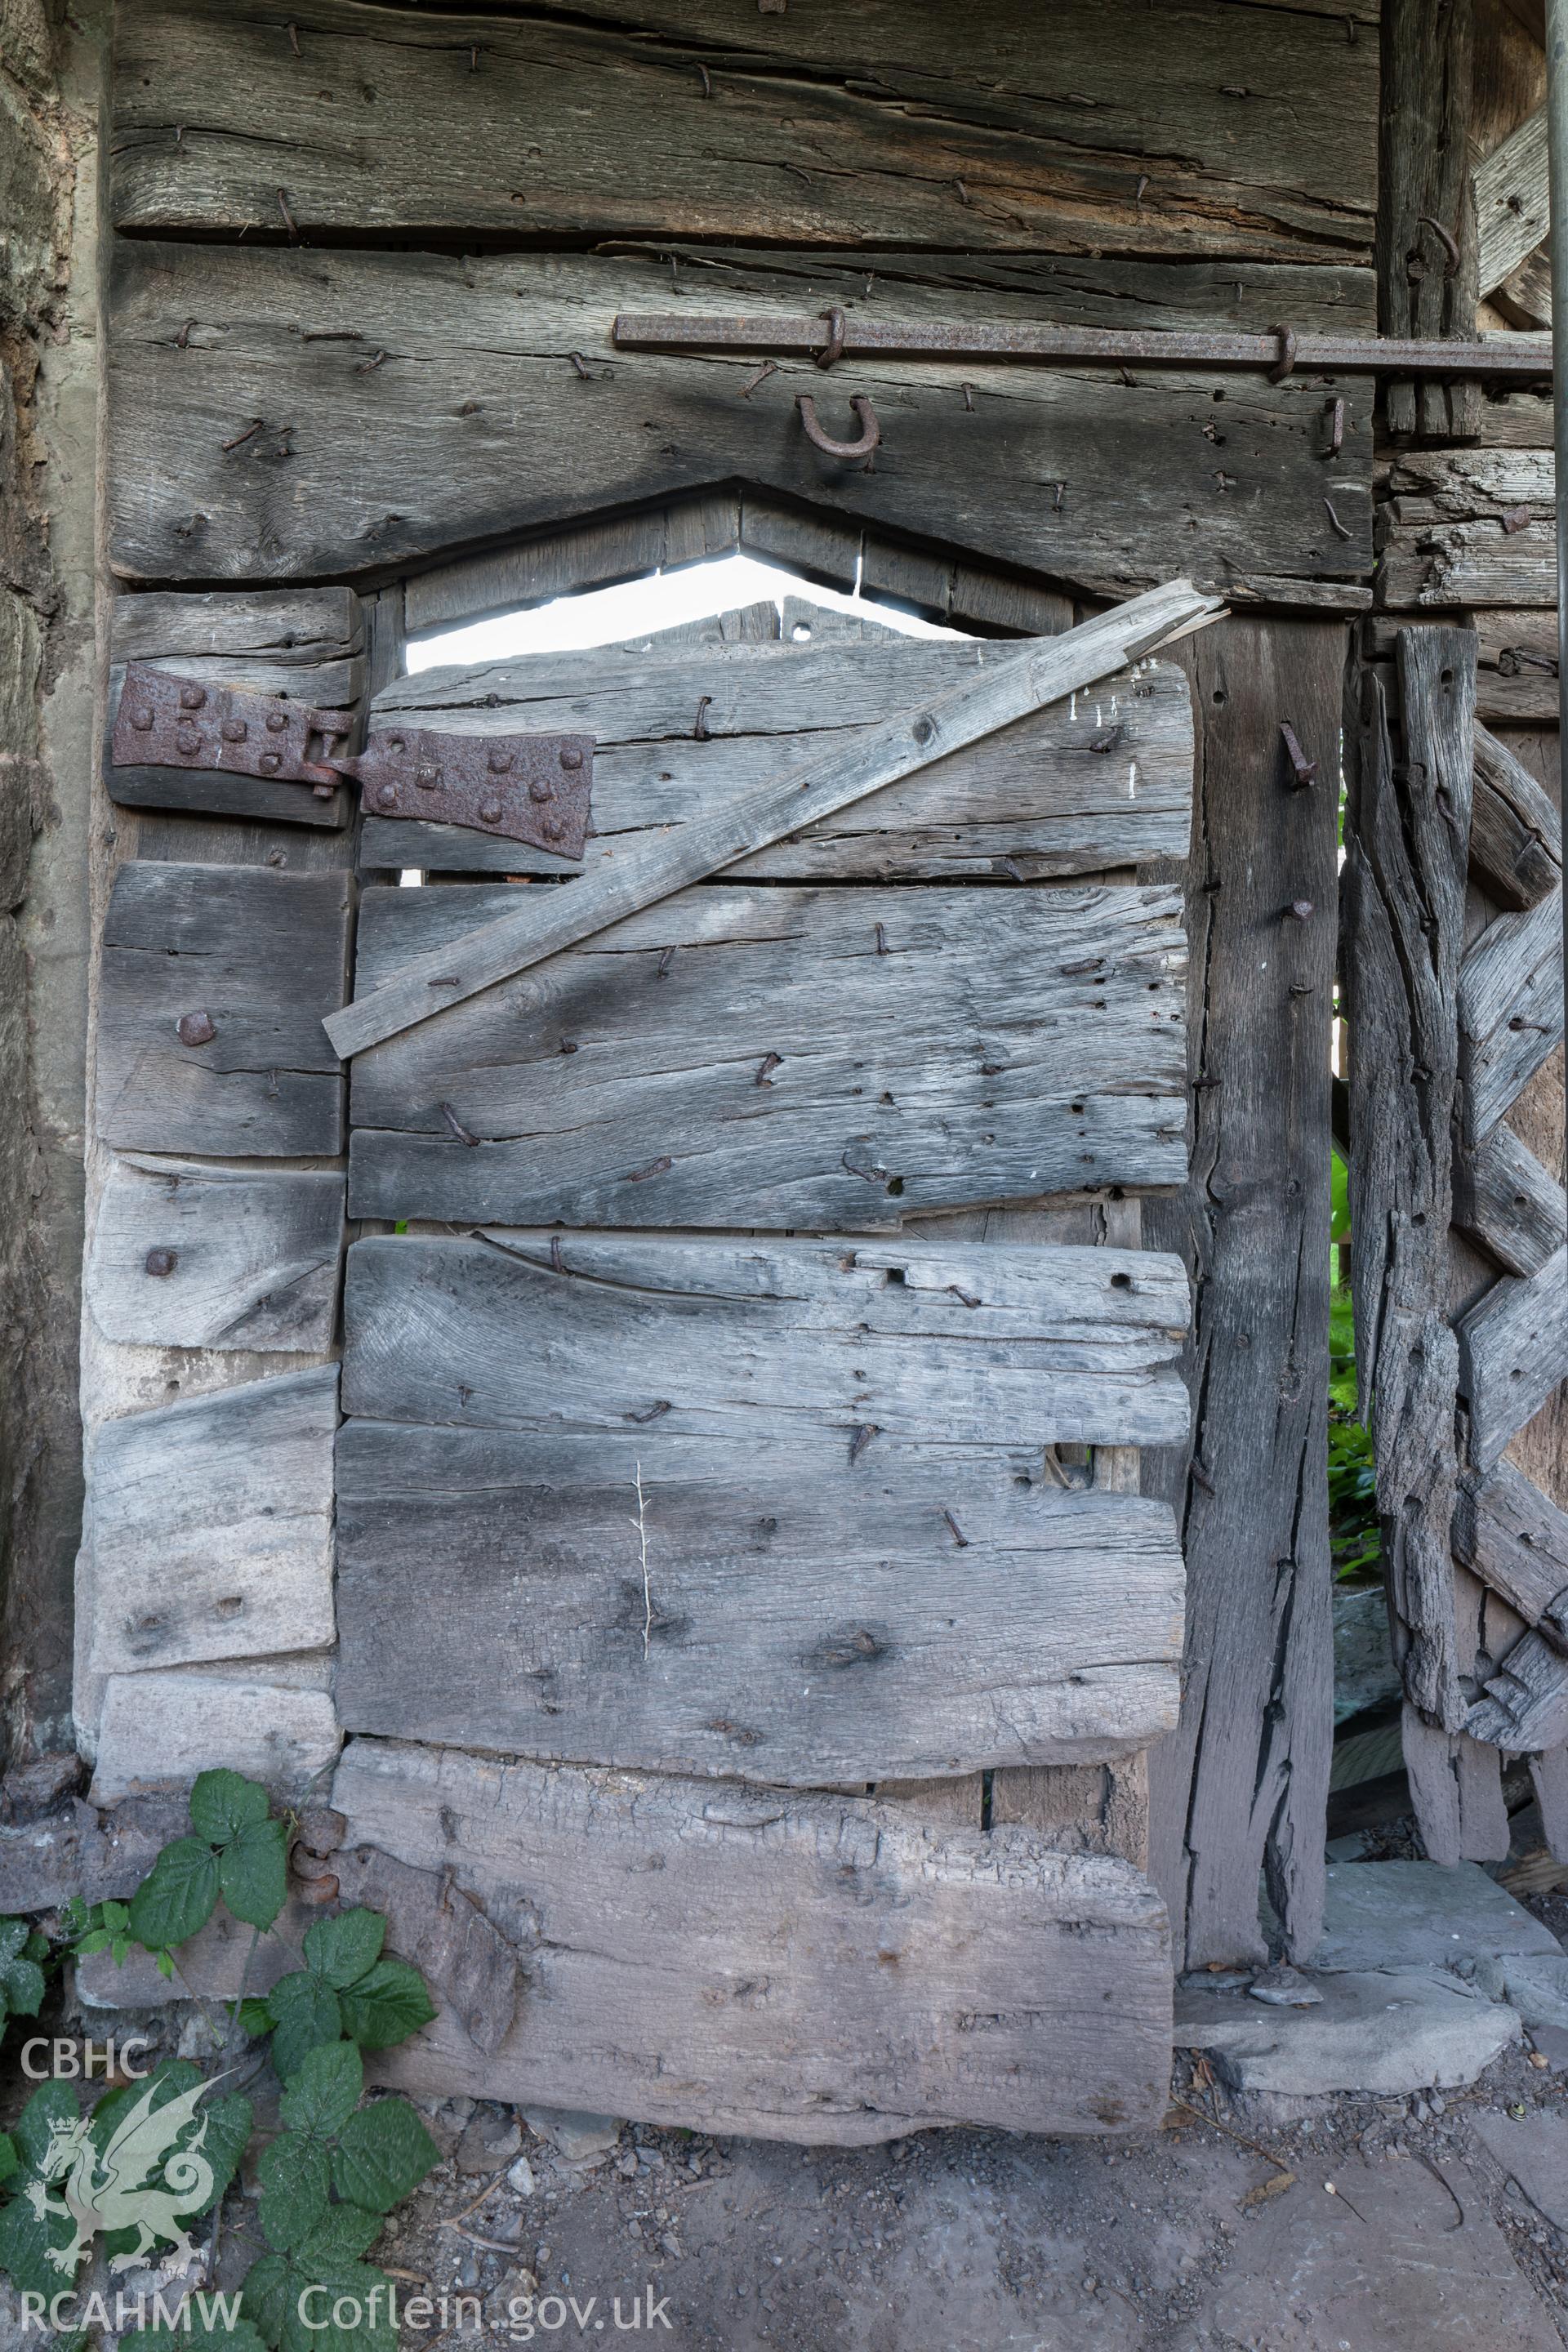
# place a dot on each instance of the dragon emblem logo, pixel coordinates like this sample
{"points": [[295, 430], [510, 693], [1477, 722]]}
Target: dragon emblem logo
{"points": [[139, 2180]]}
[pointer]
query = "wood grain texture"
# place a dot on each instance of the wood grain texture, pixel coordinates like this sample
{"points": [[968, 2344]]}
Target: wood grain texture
{"points": [[1513, 1353], [1524, 1705], [868, 123], [210, 1522], [477, 425], [1242, 1783], [264, 954], [813, 1968], [191, 1255], [1426, 244], [1517, 685], [1504, 1197], [158, 1730], [1515, 1537], [795, 1617], [718, 1338], [1512, 212], [781, 1057], [1456, 1791], [1100, 780], [305, 644], [1510, 1010], [1516, 835], [1407, 835]]}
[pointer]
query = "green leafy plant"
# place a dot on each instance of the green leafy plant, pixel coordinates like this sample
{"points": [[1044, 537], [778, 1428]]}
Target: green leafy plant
{"points": [[340, 2165], [1354, 1534]]}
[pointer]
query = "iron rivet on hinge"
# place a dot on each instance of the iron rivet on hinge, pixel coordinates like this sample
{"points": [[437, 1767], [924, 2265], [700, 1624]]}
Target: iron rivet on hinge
{"points": [[195, 1029], [500, 761], [142, 721], [571, 758], [539, 790], [552, 829], [234, 730], [276, 722], [161, 1262], [428, 779], [269, 762], [387, 794], [187, 740], [490, 812], [192, 697]]}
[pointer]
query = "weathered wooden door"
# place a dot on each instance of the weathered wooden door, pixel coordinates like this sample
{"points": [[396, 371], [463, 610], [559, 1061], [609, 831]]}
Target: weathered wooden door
{"points": [[741, 1396]]}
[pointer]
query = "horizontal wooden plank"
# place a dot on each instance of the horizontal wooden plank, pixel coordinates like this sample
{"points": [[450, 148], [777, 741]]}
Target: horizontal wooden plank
{"points": [[158, 1730], [1516, 1540], [449, 414], [1510, 1202], [781, 1057], [747, 1607], [264, 955], [1513, 1352], [615, 1332], [1433, 564], [1102, 779], [1510, 1010], [186, 1254], [817, 1968], [210, 1526], [1516, 681], [1516, 835], [306, 645], [1118, 132]]}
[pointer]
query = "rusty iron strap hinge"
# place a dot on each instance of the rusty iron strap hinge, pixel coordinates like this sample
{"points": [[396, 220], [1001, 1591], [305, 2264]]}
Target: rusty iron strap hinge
{"points": [[528, 788]]}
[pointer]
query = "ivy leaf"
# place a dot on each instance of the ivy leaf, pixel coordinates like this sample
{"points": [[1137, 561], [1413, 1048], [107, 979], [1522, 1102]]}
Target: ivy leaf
{"points": [[343, 1949], [178, 1898], [295, 2182], [335, 2245], [224, 1804], [305, 2016], [324, 2092], [388, 2003], [383, 2154], [255, 2018], [253, 1873], [98, 1941]]}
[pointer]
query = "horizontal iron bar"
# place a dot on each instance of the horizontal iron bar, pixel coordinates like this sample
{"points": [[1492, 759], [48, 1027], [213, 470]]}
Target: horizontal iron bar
{"points": [[1518, 357]]}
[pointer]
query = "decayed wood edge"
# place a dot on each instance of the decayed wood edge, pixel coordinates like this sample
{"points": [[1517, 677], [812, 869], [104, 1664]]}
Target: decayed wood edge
{"points": [[1426, 204], [1456, 1791], [1516, 1538], [1513, 211], [1524, 1705], [1021, 680], [1513, 1352], [1516, 835], [1508, 1202], [1406, 858], [1510, 996]]}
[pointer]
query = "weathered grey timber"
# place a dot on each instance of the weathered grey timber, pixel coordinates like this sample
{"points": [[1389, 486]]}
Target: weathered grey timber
{"points": [[1505, 1197], [1513, 1351], [711, 1337], [1516, 835], [1525, 1704], [1425, 242], [780, 1056], [1103, 779], [1406, 855], [1515, 1537], [78, 1851], [1435, 563], [159, 1729], [414, 127], [304, 643], [469, 1964], [1241, 1785], [816, 1968], [210, 1522], [447, 412], [753, 1606], [186, 1254], [1085, 1808], [1517, 682], [1510, 1010], [1511, 211], [1017, 679], [263, 955], [1457, 1791]]}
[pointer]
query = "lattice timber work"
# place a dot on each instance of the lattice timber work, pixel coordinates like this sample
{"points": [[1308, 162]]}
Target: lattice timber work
{"points": [[1453, 926]]}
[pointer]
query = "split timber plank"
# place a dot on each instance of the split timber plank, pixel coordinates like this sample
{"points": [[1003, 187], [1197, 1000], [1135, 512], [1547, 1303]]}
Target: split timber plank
{"points": [[1516, 1538], [306, 645], [187, 1255], [1514, 1350], [476, 426], [1426, 244], [1512, 212], [795, 1617], [1426, 564], [1103, 779], [1510, 1010], [822, 1969], [1516, 835], [1406, 857], [781, 1056], [1524, 1706], [1456, 1789], [1505, 1198], [1516, 654], [264, 954], [708, 1337], [210, 1522], [1032, 145]]}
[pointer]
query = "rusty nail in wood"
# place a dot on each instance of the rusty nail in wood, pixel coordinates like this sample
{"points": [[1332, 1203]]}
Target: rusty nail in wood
{"points": [[654, 1412], [474, 57], [288, 220], [1107, 740], [179, 139], [195, 1029], [658, 1167], [701, 730], [832, 349], [1201, 1085], [161, 1262], [707, 84], [1128, 377], [964, 196], [964, 1298], [249, 434], [446, 980], [1201, 1476], [369, 366], [665, 960], [959, 1538], [1014, 870], [1303, 988], [1138, 191], [1301, 768], [860, 1437], [881, 938], [579, 363], [969, 399], [1353, 33], [1335, 411], [1329, 510], [182, 339], [768, 368], [294, 39], [1516, 519], [568, 1045], [765, 1067], [1450, 250], [271, 1085], [455, 1124], [1299, 910], [557, 1262], [1061, 491], [1285, 364]]}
